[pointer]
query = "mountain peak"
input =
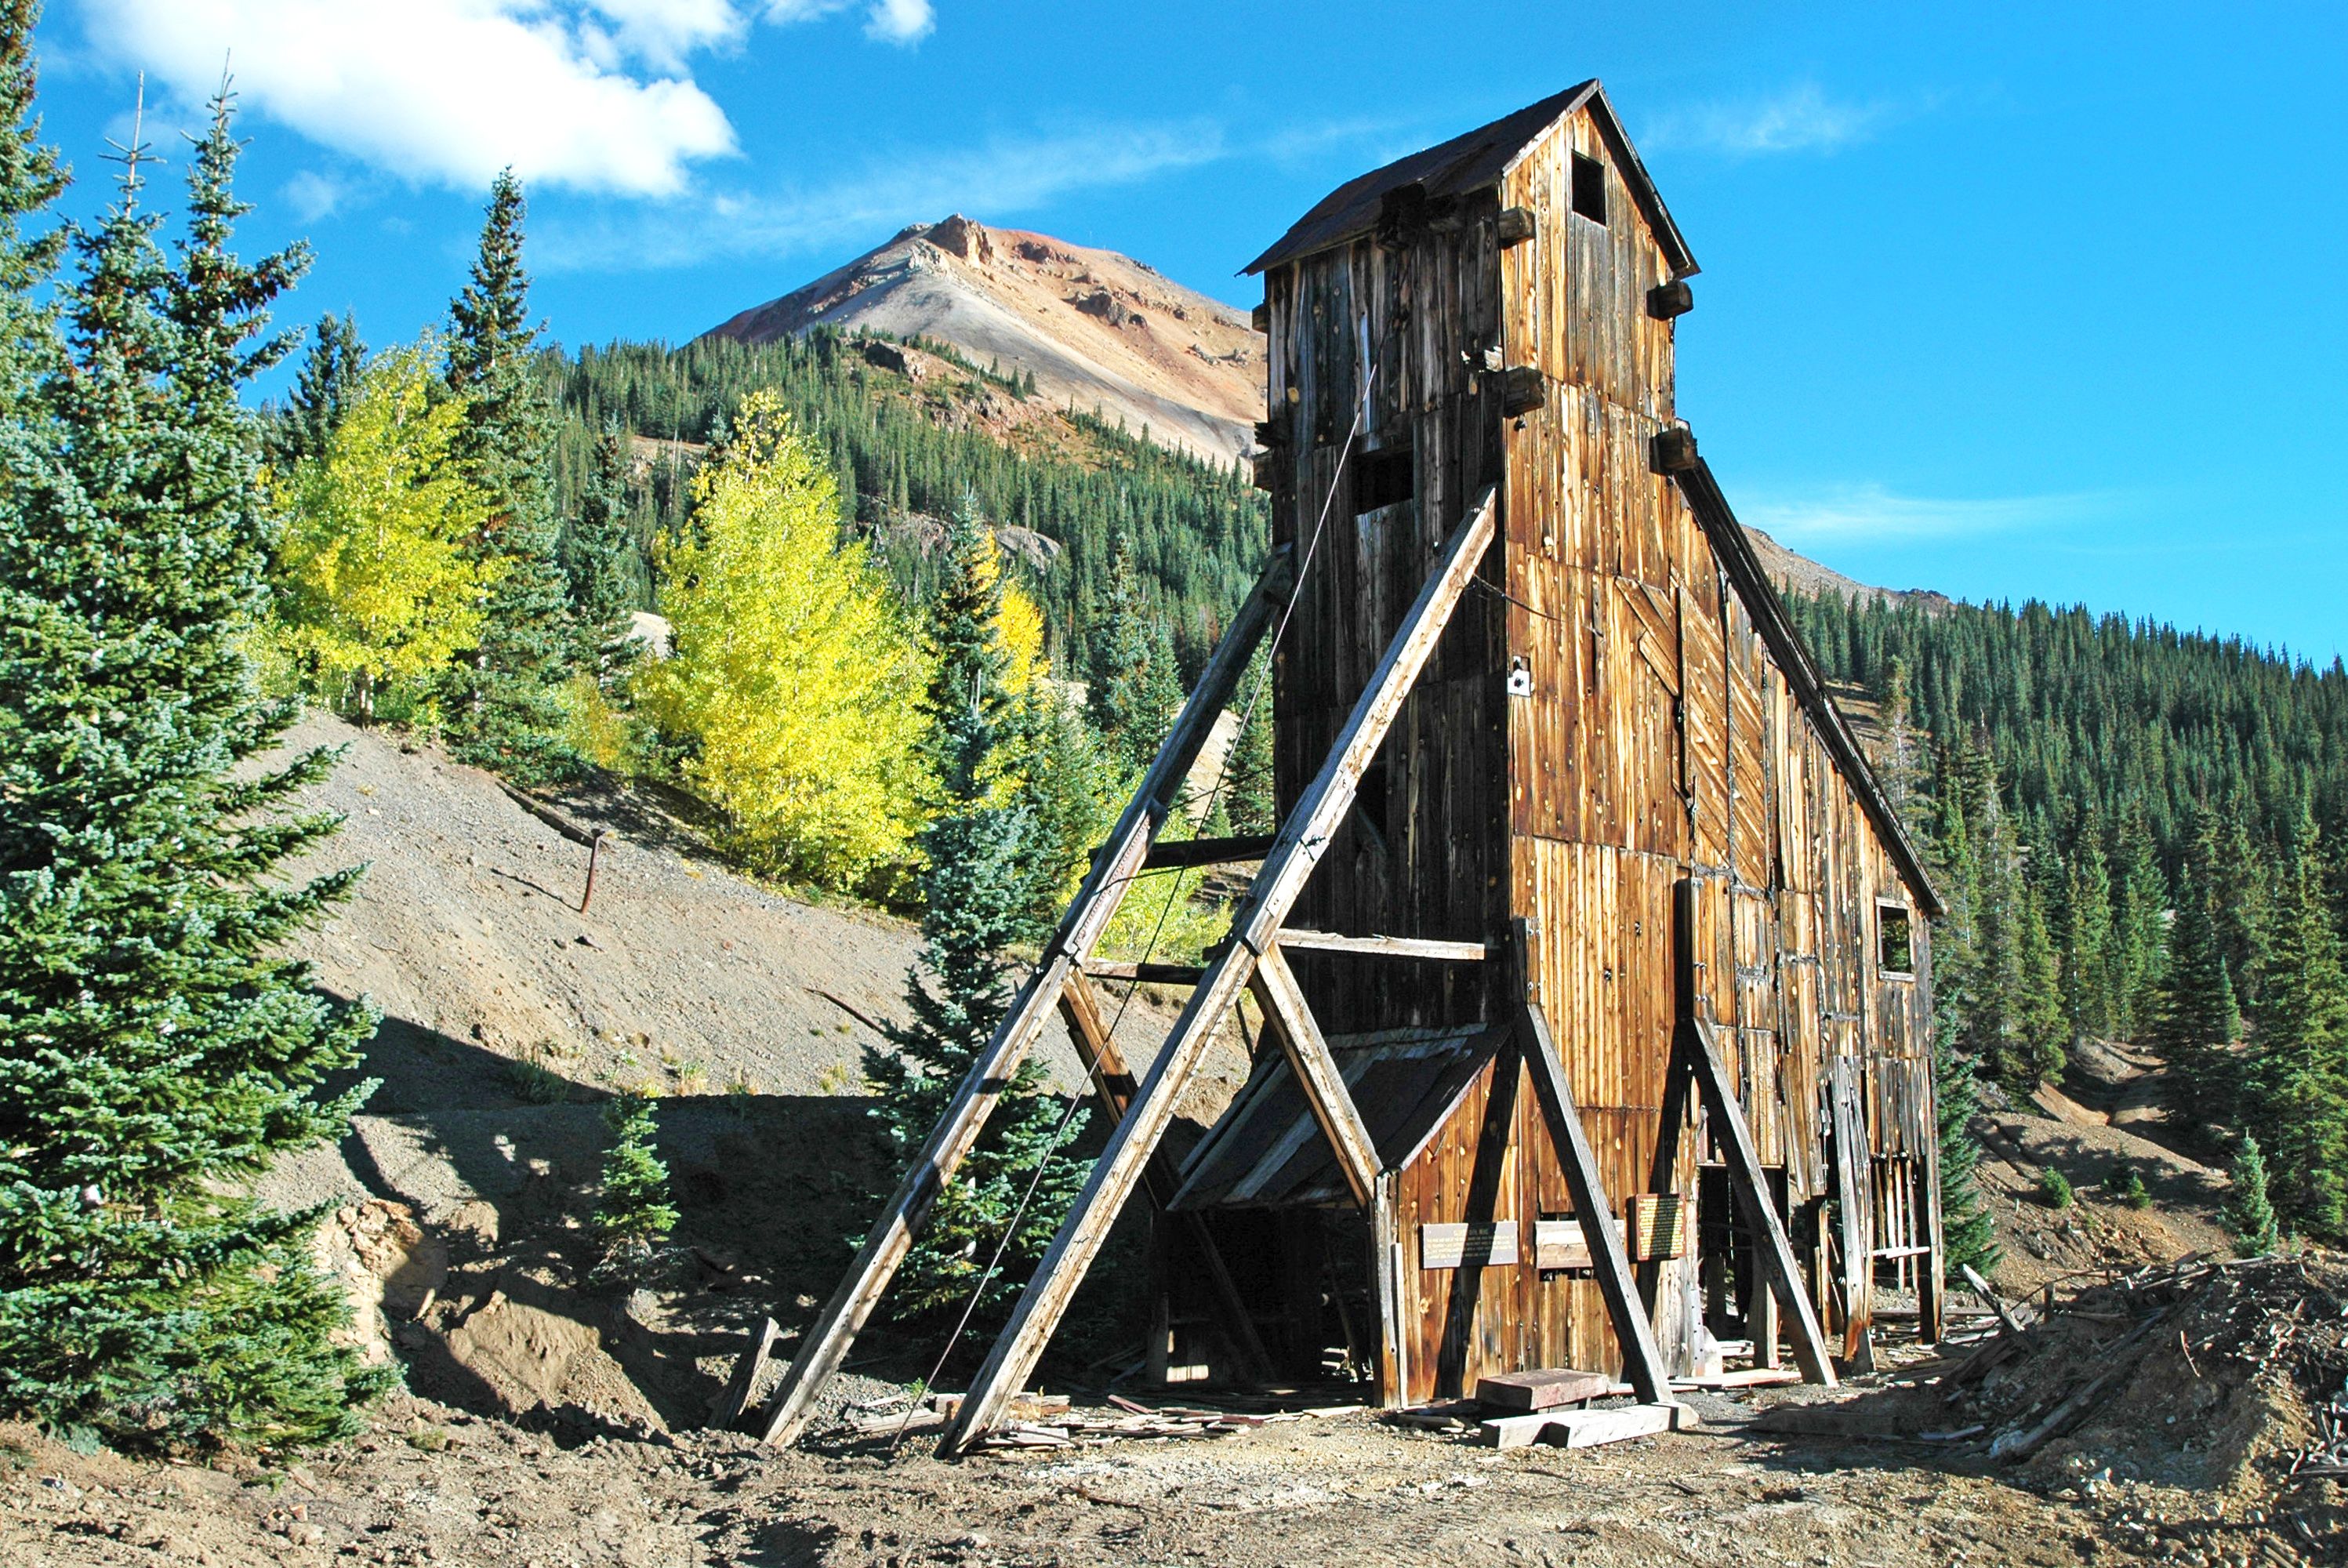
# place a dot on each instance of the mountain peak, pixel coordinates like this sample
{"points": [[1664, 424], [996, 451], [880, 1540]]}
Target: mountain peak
{"points": [[1096, 329]]}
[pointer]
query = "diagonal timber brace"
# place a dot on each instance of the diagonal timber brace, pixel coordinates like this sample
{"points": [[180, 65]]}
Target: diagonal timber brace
{"points": [[825, 1344], [1286, 866], [1746, 1175], [1642, 1358], [1317, 1074]]}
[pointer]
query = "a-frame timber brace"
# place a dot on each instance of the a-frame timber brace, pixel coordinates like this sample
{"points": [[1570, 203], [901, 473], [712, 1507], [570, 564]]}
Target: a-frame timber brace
{"points": [[1059, 981], [1255, 930], [1695, 1063]]}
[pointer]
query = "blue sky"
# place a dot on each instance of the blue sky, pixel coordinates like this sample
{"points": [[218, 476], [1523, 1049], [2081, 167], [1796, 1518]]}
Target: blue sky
{"points": [[2011, 301]]}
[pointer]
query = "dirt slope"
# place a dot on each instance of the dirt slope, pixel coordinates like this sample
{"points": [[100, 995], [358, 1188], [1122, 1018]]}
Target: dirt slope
{"points": [[1096, 328]]}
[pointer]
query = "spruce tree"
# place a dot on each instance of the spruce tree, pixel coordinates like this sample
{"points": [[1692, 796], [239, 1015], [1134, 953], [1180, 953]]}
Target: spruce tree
{"points": [[509, 708], [599, 562], [1135, 689], [1968, 1231], [2249, 1214], [2297, 1076], [976, 902], [2087, 937], [2196, 1022], [324, 386], [31, 178], [633, 1213], [1253, 807], [1064, 792], [152, 1050]]}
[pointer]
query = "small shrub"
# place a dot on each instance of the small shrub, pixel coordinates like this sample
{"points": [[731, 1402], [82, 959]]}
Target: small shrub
{"points": [[2054, 1188], [535, 1082], [2125, 1184], [428, 1439], [839, 1078]]}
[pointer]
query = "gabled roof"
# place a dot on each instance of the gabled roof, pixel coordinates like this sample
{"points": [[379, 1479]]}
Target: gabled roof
{"points": [[1792, 655], [1472, 162]]}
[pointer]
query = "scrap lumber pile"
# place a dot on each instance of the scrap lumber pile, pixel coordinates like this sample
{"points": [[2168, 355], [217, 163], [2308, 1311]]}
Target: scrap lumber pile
{"points": [[1558, 1406], [1133, 1421], [2187, 1373]]}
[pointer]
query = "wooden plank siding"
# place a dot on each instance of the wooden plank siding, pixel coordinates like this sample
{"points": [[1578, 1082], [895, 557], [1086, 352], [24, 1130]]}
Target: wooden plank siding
{"points": [[1653, 740]]}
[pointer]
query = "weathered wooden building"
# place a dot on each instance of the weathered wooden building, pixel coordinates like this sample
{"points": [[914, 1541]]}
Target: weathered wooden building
{"points": [[1592, 963]]}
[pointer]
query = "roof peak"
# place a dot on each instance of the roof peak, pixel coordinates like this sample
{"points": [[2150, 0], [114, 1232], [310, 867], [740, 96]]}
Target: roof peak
{"points": [[1472, 161]]}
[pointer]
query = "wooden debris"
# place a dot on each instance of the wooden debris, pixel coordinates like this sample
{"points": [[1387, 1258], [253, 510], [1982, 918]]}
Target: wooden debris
{"points": [[1541, 1390], [1586, 1428], [1748, 1377]]}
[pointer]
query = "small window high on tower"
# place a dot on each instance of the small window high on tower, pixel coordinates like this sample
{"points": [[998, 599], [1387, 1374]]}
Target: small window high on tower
{"points": [[1590, 188]]}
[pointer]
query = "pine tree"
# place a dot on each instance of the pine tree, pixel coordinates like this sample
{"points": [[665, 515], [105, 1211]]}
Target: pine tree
{"points": [[1135, 689], [1968, 1230], [2249, 1214], [633, 1213], [975, 905], [324, 384], [1254, 809], [2139, 908], [153, 1051], [599, 557], [509, 710], [2087, 938], [31, 178], [2297, 1076], [1063, 791], [2196, 1021]]}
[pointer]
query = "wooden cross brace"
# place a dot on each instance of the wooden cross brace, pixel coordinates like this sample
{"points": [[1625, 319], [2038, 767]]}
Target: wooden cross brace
{"points": [[1286, 866], [825, 1346]]}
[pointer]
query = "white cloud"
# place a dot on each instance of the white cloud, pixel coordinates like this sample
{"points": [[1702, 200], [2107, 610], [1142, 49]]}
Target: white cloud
{"points": [[592, 94], [1799, 119], [313, 195], [1871, 513], [996, 180], [900, 21], [891, 21]]}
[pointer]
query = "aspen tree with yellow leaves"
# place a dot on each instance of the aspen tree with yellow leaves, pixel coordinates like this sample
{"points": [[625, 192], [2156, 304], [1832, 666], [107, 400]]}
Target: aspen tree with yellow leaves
{"points": [[377, 585], [795, 684]]}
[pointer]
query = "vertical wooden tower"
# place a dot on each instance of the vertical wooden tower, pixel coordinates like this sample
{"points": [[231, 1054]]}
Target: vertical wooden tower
{"points": [[1592, 962]]}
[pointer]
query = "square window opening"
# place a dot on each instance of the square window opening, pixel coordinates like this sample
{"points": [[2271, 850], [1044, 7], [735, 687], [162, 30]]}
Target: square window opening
{"points": [[1590, 188], [1895, 939], [1385, 477]]}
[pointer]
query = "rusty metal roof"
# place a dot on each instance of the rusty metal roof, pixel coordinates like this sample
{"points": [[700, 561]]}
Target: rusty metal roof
{"points": [[1267, 1151], [1470, 163]]}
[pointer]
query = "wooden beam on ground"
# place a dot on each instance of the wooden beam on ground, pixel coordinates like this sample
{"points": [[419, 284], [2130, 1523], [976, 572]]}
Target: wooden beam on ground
{"points": [[735, 1398], [1113, 1087], [1182, 854], [1586, 1428], [1308, 829], [1317, 1074], [1752, 1185], [825, 1344], [1991, 1299], [1643, 1359], [1385, 946]]}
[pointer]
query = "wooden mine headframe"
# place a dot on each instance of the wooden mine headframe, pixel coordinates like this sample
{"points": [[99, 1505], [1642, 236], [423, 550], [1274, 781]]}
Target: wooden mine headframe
{"points": [[1593, 960]]}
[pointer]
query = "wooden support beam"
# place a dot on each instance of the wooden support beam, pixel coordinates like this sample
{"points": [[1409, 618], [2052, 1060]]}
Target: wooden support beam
{"points": [[1855, 1209], [1642, 1358], [1182, 854], [825, 1344], [1301, 838], [1317, 1074], [1113, 1087], [1752, 1185], [1385, 946]]}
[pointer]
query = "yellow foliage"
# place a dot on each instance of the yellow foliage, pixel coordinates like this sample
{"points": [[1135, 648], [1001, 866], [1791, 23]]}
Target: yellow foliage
{"points": [[374, 583], [794, 673], [1020, 624]]}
